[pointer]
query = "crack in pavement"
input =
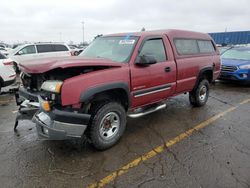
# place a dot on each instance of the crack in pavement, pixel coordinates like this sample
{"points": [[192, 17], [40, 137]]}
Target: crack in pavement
{"points": [[174, 155], [220, 100], [226, 167], [184, 166], [145, 181], [58, 170]]}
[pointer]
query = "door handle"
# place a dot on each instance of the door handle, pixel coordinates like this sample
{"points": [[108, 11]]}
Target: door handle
{"points": [[167, 69]]}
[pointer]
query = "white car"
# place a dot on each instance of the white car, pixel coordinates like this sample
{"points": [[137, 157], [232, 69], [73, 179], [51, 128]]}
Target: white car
{"points": [[74, 50], [7, 73], [38, 50], [4, 51]]}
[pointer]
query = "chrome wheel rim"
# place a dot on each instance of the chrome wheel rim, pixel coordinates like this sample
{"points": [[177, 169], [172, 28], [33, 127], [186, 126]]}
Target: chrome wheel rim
{"points": [[203, 93], [110, 125]]}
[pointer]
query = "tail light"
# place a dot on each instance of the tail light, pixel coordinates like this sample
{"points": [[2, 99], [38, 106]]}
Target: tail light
{"points": [[9, 63]]}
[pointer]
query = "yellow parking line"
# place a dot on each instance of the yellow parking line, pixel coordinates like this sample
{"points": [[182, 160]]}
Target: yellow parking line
{"points": [[245, 101], [159, 149]]}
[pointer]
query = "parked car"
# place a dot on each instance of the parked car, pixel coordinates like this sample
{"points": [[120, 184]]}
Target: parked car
{"points": [[16, 45], [4, 49], [115, 76], [74, 50], [7, 73], [81, 49], [27, 52], [235, 64]]}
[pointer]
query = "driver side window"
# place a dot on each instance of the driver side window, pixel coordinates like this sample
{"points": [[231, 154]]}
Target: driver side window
{"points": [[28, 50], [154, 47]]}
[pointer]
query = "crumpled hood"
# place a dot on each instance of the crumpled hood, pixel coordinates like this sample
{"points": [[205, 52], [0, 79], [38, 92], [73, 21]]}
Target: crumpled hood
{"points": [[234, 62], [44, 65]]}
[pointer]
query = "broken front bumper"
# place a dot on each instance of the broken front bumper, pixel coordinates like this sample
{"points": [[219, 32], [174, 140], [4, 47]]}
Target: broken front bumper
{"points": [[60, 125], [56, 124], [28, 105]]}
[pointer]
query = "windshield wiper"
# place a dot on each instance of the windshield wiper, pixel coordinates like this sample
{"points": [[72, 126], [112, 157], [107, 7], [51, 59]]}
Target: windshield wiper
{"points": [[227, 50]]}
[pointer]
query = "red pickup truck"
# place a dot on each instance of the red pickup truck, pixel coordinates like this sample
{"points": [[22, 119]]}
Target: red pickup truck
{"points": [[119, 75]]}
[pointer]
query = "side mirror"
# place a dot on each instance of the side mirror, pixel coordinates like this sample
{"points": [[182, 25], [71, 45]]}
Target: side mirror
{"points": [[20, 53], [146, 60]]}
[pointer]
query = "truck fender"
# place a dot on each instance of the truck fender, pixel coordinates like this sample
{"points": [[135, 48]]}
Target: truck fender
{"points": [[89, 93], [202, 71]]}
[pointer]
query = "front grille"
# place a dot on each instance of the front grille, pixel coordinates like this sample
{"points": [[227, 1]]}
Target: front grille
{"points": [[227, 68]]}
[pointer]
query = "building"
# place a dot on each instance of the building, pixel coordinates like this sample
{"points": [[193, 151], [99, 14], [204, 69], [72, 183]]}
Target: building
{"points": [[229, 38]]}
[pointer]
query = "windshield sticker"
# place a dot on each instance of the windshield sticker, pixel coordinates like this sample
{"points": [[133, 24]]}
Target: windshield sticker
{"points": [[126, 41], [127, 37]]}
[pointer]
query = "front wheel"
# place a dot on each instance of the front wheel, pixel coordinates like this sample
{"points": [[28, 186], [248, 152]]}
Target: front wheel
{"points": [[198, 97], [108, 123]]}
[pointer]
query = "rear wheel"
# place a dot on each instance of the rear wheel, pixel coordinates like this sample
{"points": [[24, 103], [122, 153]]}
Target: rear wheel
{"points": [[198, 97], [108, 122]]}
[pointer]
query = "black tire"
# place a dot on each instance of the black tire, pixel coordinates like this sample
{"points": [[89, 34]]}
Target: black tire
{"points": [[198, 97], [0, 87], [16, 68], [76, 53], [100, 125]]}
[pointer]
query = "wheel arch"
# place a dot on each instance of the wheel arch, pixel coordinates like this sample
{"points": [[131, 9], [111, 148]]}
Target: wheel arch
{"points": [[207, 73], [116, 91]]}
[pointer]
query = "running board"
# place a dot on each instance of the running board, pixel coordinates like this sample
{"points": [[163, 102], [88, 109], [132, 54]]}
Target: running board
{"points": [[149, 111]]}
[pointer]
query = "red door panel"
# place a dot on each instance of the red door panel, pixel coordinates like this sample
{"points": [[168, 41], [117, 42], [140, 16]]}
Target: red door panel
{"points": [[153, 83]]}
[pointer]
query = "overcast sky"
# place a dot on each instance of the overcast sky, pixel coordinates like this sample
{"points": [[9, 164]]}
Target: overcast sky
{"points": [[55, 20]]}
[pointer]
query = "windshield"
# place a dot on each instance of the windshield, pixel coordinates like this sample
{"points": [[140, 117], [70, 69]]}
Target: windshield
{"points": [[223, 49], [117, 49], [15, 50], [237, 53]]}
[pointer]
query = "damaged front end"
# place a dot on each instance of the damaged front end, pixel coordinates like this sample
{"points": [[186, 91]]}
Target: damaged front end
{"points": [[58, 124], [39, 99]]}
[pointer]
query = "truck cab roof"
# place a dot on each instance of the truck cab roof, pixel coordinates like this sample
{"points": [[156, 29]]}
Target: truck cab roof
{"points": [[172, 33]]}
